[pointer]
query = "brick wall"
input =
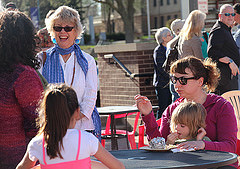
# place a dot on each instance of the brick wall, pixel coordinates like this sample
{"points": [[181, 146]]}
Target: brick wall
{"points": [[117, 89]]}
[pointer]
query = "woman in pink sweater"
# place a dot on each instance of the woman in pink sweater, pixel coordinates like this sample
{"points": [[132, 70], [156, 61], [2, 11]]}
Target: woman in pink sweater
{"points": [[193, 80]]}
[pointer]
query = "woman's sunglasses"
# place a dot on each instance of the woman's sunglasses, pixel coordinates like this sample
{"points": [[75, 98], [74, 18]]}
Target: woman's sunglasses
{"points": [[228, 14], [182, 80], [66, 28]]}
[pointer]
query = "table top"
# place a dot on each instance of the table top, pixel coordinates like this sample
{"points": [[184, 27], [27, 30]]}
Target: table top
{"points": [[118, 109], [133, 159]]}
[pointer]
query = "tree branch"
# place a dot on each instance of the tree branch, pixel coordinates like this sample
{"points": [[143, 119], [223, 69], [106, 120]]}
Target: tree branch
{"points": [[107, 3]]}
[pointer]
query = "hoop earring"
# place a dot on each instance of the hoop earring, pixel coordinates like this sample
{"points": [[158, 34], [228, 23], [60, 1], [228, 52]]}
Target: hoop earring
{"points": [[54, 41], [77, 41]]}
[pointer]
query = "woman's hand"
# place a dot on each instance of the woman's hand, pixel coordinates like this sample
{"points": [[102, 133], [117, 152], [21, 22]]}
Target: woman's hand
{"points": [[171, 138], [143, 104], [201, 133], [197, 145]]}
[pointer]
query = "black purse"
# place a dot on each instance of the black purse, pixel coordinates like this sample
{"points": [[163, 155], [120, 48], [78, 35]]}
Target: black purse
{"points": [[171, 57]]}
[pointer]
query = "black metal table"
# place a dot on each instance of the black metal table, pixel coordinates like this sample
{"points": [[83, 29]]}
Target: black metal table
{"points": [[113, 110], [201, 159]]}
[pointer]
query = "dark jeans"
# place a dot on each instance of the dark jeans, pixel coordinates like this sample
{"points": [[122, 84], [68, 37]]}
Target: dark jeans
{"points": [[164, 100]]}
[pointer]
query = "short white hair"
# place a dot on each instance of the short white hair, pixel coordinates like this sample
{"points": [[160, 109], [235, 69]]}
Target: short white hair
{"points": [[161, 32], [223, 7], [65, 14], [177, 25]]}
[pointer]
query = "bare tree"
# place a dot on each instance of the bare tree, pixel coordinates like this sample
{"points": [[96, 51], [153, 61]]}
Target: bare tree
{"points": [[126, 10]]}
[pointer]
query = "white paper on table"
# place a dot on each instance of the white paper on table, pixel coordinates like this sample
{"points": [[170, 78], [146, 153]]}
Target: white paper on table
{"points": [[176, 150]]}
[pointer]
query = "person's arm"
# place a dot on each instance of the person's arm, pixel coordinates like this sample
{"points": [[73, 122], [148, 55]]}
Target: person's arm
{"points": [[201, 133], [26, 163], [108, 159], [28, 89], [159, 58], [165, 122], [216, 44], [226, 126], [197, 47], [90, 92], [231, 63], [145, 107]]}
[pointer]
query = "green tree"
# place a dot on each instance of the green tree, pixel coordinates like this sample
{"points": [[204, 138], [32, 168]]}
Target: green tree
{"points": [[126, 10]]}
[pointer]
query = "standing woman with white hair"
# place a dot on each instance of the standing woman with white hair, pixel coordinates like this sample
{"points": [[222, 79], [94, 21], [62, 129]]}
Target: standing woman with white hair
{"points": [[189, 42], [161, 78], [66, 63]]}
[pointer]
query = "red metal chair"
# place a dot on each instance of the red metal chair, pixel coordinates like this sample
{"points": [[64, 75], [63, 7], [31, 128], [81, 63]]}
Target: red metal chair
{"points": [[141, 129], [130, 134]]}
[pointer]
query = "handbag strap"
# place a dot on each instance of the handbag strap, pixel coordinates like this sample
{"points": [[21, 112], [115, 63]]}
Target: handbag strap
{"points": [[44, 57]]}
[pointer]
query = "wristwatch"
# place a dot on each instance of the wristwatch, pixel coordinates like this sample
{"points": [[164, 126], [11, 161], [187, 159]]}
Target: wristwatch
{"points": [[230, 61]]}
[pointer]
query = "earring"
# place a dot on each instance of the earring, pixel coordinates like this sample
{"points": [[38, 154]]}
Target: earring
{"points": [[77, 41], [54, 41]]}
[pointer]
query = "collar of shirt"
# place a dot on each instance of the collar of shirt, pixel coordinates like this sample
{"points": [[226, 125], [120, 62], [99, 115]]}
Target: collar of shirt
{"points": [[225, 26]]}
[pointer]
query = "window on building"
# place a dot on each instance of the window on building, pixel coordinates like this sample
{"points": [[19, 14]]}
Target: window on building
{"points": [[175, 16], [162, 21], [168, 17], [155, 23], [154, 3], [175, 1], [168, 2], [161, 2]]}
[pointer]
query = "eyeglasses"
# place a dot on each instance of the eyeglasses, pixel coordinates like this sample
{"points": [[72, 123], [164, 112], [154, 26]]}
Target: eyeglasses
{"points": [[182, 80], [66, 28], [228, 14]]}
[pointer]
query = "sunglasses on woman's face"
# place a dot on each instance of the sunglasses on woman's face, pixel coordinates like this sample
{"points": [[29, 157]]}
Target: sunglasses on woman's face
{"points": [[182, 80], [66, 28], [228, 14]]}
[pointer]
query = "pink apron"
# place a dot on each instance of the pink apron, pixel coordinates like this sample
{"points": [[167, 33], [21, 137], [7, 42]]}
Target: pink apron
{"points": [[83, 163]]}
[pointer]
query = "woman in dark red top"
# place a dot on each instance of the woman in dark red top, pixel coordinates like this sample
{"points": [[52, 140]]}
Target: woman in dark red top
{"points": [[20, 86]]}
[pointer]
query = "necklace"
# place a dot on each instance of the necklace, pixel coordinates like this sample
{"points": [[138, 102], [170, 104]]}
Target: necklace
{"points": [[73, 72], [66, 58]]}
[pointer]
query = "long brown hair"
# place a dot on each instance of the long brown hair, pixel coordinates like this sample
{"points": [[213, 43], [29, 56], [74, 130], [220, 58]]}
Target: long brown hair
{"points": [[56, 109]]}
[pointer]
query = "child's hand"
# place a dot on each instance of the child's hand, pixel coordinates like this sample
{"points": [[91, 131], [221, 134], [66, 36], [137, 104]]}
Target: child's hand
{"points": [[201, 133], [143, 104], [171, 138]]}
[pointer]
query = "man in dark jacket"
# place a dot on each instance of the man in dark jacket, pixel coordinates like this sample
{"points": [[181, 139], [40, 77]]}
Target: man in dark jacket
{"points": [[223, 49]]}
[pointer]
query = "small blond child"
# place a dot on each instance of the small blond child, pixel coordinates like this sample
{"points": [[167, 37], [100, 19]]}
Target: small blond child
{"points": [[187, 123]]}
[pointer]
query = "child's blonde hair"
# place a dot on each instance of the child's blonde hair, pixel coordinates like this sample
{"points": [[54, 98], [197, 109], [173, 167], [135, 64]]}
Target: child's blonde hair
{"points": [[191, 114]]}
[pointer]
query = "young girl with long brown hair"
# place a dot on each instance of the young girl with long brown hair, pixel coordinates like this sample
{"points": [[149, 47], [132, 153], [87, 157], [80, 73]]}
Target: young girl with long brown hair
{"points": [[58, 144]]}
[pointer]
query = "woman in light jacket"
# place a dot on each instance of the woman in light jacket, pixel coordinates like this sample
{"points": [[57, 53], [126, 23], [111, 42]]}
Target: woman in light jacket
{"points": [[189, 42]]}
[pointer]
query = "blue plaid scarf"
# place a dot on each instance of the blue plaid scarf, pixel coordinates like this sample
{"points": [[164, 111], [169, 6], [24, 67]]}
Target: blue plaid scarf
{"points": [[53, 73], [52, 69]]}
